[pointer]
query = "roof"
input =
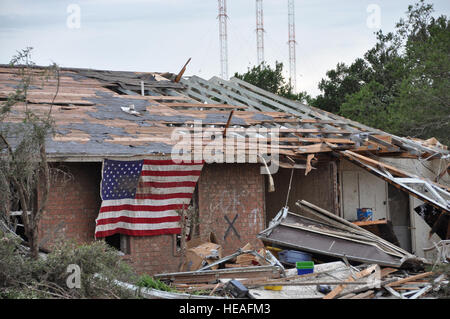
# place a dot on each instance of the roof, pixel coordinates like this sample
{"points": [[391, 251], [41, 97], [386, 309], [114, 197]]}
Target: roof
{"points": [[114, 114], [95, 116]]}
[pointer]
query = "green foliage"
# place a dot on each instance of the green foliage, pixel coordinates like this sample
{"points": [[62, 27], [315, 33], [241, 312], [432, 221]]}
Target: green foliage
{"points": [[402, 85], [24, 170], [24, 277], [272, 80], [342, 81], [364, 106], [147, 281]]}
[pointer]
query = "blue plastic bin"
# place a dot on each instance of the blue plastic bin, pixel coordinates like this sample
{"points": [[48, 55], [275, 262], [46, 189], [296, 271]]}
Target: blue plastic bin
{"points": [[292, 256], [304, 267], [305, 271]]}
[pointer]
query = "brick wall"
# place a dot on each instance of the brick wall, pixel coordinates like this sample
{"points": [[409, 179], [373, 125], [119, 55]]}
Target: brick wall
{"points": [[72, 206], [232, 190], [152, 254], [223, 190]]}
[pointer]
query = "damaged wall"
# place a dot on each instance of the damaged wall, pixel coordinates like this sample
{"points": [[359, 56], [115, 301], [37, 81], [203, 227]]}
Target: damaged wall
{"points": [[318, 187], [73, 205], [428, 169], [360, 189], [420, 231], [231, 204]]}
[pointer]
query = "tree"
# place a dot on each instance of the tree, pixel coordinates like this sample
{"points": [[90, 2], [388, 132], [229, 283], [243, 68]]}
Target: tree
{"points": [[402, 84], [272, 80], [24, 170], [342, 81]]}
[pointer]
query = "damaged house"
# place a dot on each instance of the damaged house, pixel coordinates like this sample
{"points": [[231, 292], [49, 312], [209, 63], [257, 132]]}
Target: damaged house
{"points": [[265, 153]]}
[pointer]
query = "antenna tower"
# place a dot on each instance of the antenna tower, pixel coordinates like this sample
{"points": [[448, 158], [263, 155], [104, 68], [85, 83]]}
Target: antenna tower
{"points": [[259, 31], [292, 43], [223, 39]]}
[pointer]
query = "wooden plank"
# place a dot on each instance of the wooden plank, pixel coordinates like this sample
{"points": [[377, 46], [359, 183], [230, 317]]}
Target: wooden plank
{"points": [[206, 88], [386, 271], [336, 291], [262, 272], [249, 97], [205, 106], [282, 130], [59, 101], [410, 278], [370, 222]]}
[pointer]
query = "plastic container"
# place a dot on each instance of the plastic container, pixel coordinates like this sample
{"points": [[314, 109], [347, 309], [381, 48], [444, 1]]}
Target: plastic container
{"points": [[364, 214], [304, 264], [305, 271], [292, 256], [276, 288], [304, 267]]}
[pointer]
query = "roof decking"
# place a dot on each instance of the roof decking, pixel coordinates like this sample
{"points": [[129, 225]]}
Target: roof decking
{"points": [[91, 123]]}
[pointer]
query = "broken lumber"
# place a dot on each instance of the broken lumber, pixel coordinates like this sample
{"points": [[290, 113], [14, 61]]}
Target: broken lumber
{"points": [[336, 291], [410, 278], [206, 276]]}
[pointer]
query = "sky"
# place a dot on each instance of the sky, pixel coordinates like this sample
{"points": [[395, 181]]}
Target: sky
{"points": [[160, 35]]}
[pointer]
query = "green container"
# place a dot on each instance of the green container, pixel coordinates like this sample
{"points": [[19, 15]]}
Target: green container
{"points": [[304, 264]]}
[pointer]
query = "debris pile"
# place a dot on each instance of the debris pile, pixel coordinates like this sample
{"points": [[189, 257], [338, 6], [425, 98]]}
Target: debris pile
{"points": [[318, 231], [312, 254], [225, 275]]}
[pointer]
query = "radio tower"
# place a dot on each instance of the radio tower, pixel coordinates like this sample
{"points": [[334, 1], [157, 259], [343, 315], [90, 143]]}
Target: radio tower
{"points": [[292, 43], [223, 38], [259, 31]]}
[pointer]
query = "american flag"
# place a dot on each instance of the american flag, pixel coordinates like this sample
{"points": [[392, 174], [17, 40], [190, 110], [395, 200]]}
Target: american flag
{"points": [[141, 198]]}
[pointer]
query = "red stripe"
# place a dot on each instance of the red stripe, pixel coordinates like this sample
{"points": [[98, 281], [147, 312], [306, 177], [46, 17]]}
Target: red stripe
{"points": [[138, 220], [167, 184], [130, 232], [140, 208], [171, 173], [164, 196], [170, 162]]}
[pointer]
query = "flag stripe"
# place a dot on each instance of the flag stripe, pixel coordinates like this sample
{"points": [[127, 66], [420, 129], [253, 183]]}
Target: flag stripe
{"points": [[165, 168], [169, 179], [147, 208], [135, 226], [138, 214], [170, 162], [153, 190], [164, 196], [167, 184], [146, 202], [170, 173], [131, 232], [133, 220]]}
